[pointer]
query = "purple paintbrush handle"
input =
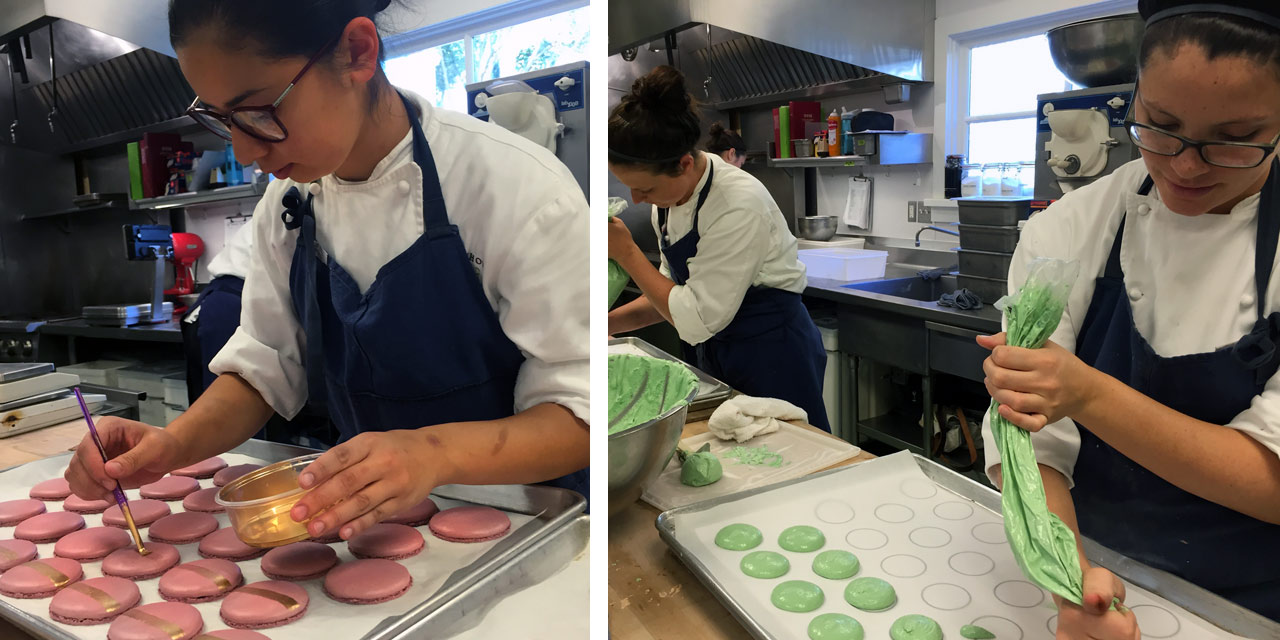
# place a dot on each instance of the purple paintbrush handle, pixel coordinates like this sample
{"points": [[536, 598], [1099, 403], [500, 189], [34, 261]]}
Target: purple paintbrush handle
{"points": [[84, 408]]}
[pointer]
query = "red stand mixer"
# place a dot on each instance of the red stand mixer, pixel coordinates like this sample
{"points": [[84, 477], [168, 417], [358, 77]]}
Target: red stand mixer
{"points": [[187, 249]]}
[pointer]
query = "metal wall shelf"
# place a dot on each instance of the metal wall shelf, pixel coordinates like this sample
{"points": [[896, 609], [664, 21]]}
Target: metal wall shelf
{"points": [[210, 196]]}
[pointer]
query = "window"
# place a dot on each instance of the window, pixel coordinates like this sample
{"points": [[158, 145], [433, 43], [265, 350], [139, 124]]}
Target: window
{"points": [[439, 61], [1004, 80]]}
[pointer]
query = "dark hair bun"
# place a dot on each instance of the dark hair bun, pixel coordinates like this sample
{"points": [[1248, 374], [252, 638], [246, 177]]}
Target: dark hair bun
{"points": [[716, 130], [662, 90], [381, 5]]}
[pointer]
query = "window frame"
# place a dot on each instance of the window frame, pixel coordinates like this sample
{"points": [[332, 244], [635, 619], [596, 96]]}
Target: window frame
{"points": [[473, 24], [960, 48]]}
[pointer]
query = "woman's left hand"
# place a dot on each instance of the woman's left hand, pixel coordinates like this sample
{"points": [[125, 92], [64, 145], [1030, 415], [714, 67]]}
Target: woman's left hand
{"points": [[620, 241], [368, 478], [1036, 387]]}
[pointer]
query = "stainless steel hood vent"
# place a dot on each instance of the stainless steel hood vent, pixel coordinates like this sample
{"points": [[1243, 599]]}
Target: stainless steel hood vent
{"points": [[747, 70], [125, 95]]}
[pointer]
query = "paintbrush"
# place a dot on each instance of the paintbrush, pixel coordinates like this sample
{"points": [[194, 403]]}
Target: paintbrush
{"points": [[119, 493]]}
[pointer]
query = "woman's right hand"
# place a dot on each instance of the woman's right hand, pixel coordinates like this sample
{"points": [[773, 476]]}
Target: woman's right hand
{"points": [[138, 454], [1096, 620]]}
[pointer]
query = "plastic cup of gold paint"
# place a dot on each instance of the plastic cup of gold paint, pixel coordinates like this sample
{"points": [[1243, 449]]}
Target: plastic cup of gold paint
{"points": [[258, 503]]}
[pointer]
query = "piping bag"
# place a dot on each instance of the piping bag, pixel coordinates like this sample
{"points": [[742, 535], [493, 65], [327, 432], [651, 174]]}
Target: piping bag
{"points": [[118, 492], [1043, 545]]}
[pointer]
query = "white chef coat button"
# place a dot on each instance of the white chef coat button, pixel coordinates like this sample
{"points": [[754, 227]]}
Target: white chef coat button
{"points": [[1144, 209], [404, 187], [1246, 301], [314, 188], [1134, 293]]}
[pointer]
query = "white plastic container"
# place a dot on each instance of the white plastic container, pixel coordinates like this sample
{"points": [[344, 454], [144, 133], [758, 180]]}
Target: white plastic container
{"points": [[175, 390], [100, 372], [831, 375], [834, 243], [845, 265]]}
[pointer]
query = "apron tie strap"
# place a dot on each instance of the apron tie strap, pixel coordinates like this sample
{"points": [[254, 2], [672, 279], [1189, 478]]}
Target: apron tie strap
{"points": [[1258, 347], [295, 208]]}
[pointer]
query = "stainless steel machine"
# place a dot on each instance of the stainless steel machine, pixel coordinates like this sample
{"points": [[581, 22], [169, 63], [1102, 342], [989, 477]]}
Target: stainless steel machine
{"points": [[1080, 137], [548, 107]]}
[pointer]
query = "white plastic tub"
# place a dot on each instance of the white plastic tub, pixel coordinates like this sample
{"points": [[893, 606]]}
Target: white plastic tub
{"points": [[844, 265]]}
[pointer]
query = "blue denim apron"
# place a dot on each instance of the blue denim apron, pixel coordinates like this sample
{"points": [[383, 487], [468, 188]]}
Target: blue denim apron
{"points": [[771, 348], [1132, 510], [422, 346]]}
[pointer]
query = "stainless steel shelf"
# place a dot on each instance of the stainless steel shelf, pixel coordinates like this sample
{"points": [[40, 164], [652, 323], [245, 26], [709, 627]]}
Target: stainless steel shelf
{"points": [[224, 194], [893, 431], [835, 161]]}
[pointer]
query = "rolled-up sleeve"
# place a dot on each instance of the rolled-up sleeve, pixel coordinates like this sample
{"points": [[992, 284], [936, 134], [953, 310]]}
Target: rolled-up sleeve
{"points": [[266, 350], [543, 305], [731, 250]]}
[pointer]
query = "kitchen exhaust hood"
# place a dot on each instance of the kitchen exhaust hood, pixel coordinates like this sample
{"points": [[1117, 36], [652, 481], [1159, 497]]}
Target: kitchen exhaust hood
{"points": [[787, 50], [116, 74]]}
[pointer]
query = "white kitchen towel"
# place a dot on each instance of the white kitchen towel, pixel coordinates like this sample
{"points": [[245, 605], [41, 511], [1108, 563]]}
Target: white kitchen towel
{"points": [[742, 418], [857, 210]]}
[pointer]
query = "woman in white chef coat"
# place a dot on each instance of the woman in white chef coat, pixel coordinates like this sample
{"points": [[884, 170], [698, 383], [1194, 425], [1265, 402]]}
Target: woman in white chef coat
{"points": [[417, 272], [729, 280], [1157, 397]]}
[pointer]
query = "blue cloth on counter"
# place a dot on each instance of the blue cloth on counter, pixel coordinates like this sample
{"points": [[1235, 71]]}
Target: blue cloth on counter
{"points": [[930, 275], [962, 299]]}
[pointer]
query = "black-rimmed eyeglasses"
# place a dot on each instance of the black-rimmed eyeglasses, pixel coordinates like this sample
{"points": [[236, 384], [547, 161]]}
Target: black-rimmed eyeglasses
{"points": [[261, 122]]}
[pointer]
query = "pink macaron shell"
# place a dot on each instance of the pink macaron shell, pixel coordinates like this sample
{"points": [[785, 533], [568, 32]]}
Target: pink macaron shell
{"points": [[470, 524], [144, 513], [299, 561], [245, 609], [74, 606], [182, 527], [367, 581], [79, 505], [416, 515], [190, 581], [52, 489], [383, 540], [224, 477], [13, 512], [16, 552], [128, 563], [224, 544], [48, 527], [203, 501], [203, 469], [184, 617], [92, 544], [23, 581], [169, 488]]}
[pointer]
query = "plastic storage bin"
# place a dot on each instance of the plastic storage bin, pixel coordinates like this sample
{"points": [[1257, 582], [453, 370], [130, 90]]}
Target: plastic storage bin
{"points": [[985, 264], [993, 210], [976, 237], [844, 265], [989, 289]]}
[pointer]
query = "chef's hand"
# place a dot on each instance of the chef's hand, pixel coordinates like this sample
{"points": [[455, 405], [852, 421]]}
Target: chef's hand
{"points": [[368, 478], [620, 241], [1096, 620], [1036, 387], [139, 454]]}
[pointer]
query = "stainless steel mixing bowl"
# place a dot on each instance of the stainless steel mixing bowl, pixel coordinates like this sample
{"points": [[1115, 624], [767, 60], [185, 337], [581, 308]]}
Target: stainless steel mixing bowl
{"points": [[817, 227], [1098, 52], [639, 454]]}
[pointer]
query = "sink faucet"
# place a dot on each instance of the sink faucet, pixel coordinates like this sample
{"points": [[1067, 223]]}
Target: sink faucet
{"points": [[946, 231]]}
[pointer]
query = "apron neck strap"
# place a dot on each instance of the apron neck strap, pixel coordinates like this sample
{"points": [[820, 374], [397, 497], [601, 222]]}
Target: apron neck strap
{"points": [[1268, 233], [702, 198], [434, 214]]}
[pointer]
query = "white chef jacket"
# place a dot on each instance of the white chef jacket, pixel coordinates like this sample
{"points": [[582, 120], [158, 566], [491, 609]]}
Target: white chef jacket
{"points": [[236, 257], [744, 241], [522, 218], [1189, 280]]}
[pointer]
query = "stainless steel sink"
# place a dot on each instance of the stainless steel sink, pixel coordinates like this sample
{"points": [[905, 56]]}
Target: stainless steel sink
{"points": [[912, 288]]}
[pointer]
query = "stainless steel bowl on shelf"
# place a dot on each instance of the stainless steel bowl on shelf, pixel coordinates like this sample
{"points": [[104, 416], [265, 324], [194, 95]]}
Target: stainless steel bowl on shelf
{"points": [[1098, 52], [817, 227]]}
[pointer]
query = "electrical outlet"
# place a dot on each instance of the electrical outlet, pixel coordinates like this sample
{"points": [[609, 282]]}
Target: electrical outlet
{"points": [[911, 211], [923, 213]]}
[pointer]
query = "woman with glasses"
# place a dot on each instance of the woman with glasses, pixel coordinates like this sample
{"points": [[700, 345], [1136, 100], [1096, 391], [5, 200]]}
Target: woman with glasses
{"points": [[417, 273], [1155, 408]]}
